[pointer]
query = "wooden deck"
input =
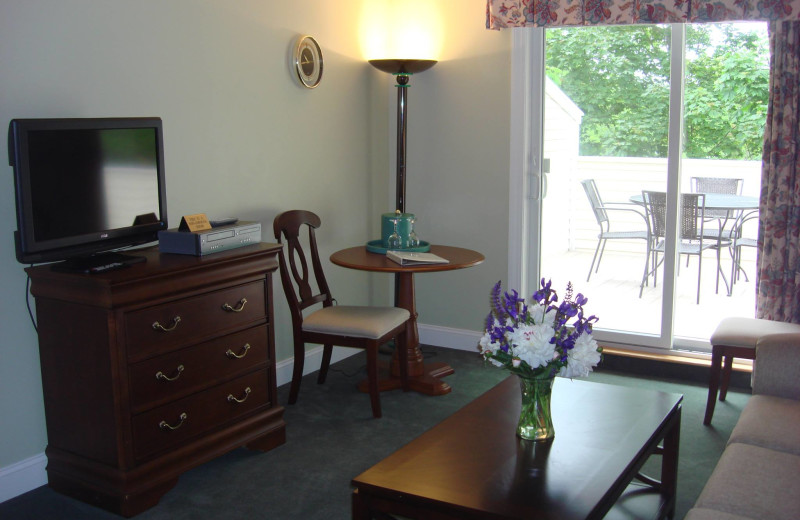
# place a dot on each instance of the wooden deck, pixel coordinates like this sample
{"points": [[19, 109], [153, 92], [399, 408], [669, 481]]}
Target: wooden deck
{"points": [[613, 291]]}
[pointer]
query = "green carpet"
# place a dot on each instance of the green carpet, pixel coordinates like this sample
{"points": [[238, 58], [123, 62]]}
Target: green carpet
{"points": [[332, 437]]}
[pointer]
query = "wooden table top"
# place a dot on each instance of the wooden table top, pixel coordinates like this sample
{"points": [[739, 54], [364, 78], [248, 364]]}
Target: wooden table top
{"points": [[474, 466], [359, 258]]}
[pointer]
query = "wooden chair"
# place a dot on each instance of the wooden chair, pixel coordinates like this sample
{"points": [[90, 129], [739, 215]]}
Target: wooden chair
{"points": [[736, 338], [342, 325]]}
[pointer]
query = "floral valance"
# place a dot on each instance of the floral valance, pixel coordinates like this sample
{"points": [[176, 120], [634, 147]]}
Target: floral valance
{"points": [[501, 14]]}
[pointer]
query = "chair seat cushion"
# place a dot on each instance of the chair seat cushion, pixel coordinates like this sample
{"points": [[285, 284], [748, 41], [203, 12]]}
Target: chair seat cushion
{"points": [[355, 321], [745, 332]]}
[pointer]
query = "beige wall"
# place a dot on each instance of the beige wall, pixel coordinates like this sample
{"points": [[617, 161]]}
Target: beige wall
{"points": [[243, 139]]}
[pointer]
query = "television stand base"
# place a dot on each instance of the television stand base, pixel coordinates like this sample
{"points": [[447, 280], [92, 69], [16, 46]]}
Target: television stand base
{"points": [[98, 263]]}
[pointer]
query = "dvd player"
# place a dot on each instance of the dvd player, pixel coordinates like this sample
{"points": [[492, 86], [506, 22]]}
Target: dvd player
{"points": [[215, 240]]}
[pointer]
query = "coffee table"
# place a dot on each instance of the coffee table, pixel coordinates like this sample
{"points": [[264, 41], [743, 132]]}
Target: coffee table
{"points": [[473, 466]]}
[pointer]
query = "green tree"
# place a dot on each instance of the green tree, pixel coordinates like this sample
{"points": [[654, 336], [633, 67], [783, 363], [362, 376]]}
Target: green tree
{"points": [[619, 77]]}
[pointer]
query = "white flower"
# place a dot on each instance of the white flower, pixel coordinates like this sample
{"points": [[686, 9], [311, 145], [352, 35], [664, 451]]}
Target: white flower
{"points": [[540, 315], [581, 358], [531, 344], [489, 347]]}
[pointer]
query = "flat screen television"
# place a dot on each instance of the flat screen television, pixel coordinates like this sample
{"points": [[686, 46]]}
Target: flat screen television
{"points": [[86, 188]]}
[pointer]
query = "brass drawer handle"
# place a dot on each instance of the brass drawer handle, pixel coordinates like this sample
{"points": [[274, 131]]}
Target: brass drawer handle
{"points": [[231, 354], [175, 321], [243, 399], [238, 308], [164, 425], [163, 377]]}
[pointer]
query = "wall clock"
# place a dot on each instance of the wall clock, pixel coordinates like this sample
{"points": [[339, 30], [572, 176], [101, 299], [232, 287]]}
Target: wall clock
{"points": [[308, 61]]}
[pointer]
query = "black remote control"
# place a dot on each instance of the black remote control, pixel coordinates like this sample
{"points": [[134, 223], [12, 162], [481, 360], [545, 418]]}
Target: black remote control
{"points": [[224, 222]]}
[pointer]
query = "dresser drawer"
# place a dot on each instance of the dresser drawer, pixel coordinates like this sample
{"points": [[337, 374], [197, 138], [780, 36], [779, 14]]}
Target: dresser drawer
{"points": [[180, 421], [179, 323], [177, 374]]}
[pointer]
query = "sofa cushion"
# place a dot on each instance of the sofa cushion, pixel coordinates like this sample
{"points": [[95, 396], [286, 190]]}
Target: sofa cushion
{"points": [[712, 514], [752, 481], [769, 422]]}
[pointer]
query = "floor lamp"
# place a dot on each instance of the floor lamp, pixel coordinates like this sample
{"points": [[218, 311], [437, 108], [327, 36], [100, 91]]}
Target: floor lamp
{"points": [[402, 69]]}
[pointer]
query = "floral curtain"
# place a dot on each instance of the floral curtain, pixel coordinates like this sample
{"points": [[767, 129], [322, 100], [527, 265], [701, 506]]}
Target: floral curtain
{"points": [[778, 279], [501, 14]]}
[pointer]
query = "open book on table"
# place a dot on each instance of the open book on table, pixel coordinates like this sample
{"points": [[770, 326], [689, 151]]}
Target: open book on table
{"points": [[412, 258]]}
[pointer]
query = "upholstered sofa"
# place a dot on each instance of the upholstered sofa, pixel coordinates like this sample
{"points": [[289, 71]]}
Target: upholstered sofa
{"points": [[758, 475]]}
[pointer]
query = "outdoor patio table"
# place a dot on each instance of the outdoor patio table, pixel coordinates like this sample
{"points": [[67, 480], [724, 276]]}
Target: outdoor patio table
{"points": [[737, 204]]}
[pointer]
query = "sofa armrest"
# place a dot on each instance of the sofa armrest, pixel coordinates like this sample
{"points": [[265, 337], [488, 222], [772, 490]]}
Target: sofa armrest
{"points": [[777, 366]]}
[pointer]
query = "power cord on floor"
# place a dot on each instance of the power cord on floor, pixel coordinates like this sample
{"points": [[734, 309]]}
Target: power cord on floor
{"points": [[361, 369]]}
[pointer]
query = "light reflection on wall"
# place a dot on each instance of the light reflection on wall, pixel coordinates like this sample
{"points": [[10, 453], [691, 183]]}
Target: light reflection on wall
{"points": [[408, 29]]}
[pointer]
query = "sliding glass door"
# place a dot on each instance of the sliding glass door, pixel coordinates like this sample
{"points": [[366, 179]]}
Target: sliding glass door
{"points": [[613, 112]]}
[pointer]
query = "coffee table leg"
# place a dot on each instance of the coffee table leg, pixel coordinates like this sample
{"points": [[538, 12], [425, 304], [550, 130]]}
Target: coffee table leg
{"points": [[360, 509], [669, 464]]}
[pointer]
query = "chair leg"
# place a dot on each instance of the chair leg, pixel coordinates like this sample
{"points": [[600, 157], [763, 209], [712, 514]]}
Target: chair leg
{"points": [[646, 275], [297, 371], [327, 351], [726, 378], [372, 379], [699, 273], [594, 258], [713, 382]]}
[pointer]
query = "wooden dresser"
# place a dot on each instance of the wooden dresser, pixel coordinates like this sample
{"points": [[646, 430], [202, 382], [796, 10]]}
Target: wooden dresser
{"points": [[151, 370]]}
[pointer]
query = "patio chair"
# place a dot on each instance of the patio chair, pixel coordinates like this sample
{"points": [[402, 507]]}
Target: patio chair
{"points": [[738, 242], [692, 241], [722, 233], [601, 211]]}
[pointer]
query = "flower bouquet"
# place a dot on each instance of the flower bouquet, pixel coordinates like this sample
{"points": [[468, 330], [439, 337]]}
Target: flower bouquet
{"points": [[537, 341]]}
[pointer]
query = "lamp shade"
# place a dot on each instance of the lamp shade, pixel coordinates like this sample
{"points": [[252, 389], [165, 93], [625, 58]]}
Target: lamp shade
{"points": [[402, 66]]}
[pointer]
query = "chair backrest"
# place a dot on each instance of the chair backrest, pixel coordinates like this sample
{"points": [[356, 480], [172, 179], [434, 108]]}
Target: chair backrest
{"points": [[691, 211], [295, 274], [595, 201], [717, 185], [693, 208], [726, 186], [655, 204]]}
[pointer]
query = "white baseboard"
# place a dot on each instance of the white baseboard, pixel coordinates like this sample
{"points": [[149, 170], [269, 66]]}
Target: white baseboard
{"points": [[28, 474], [311, 364], [458, 339], [23, 476]]}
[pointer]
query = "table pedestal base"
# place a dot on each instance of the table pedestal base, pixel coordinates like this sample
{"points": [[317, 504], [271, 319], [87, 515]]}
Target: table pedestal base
{"points": [[428, 382], [422, 377]]}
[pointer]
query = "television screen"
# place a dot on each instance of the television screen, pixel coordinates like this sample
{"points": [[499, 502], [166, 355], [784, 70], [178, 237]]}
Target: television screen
{"points": [[85, 186]]}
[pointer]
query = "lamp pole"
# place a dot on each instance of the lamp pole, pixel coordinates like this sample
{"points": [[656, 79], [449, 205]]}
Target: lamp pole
{"points": [[402, 69], [402, 113]]}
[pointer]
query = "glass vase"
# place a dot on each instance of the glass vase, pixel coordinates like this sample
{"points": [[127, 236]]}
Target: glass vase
{"points": [[535, 419]]}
